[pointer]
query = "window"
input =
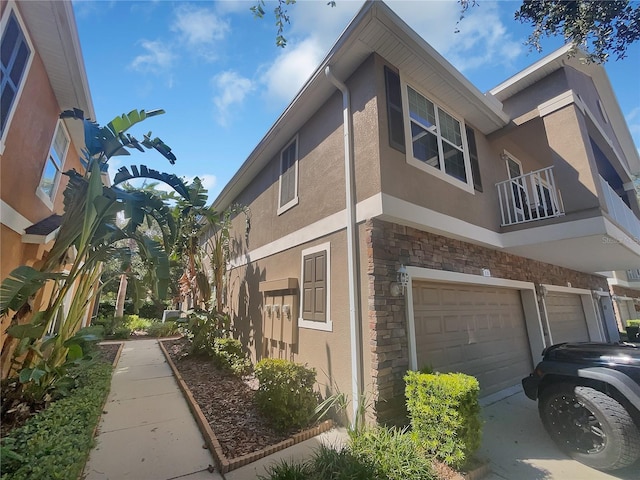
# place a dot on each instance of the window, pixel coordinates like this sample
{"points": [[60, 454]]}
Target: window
{"points": [[54, 164], [315, 290], [288, 188], [15, 56], [437, 139], [394, 109]]}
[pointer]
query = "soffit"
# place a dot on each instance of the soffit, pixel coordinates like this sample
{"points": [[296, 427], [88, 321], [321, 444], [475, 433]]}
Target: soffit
{"points": [[53, 31], [375, 29]]}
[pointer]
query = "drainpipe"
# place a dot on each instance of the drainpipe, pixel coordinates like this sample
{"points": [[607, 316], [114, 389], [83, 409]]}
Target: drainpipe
{"points": [[356, 365]]}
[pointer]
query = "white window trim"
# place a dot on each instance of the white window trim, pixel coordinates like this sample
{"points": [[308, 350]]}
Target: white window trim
{"points": [[293, 202], [326, 326], [41, 194], [411, 160], [11, 7]]}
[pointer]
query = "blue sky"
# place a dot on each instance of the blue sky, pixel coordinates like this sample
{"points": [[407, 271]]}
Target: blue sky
{"points": [[222, 81]]}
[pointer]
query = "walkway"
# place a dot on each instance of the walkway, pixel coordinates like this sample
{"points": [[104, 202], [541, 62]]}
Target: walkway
{"points": [[147, 431]]}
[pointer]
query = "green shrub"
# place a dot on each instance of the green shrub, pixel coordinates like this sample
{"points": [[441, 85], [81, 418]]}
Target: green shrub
{"points": [[286, 395], [122, 333], [135, 322], [202, 330], [55, 443], [393, 454], [633, 323], [159, 329], [228, 355], [445, 414], [109, 323]]}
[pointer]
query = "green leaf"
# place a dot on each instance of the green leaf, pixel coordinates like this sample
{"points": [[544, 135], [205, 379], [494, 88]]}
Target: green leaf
{"points": [[74, 353], [32, 330], [22, 283], [31, 375]]}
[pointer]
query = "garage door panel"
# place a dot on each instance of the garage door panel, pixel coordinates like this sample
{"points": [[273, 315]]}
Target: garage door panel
{"points": [[566, 317], [477, 330]]}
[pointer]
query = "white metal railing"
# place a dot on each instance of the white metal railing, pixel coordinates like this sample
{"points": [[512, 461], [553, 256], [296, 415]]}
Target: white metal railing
{"points": [[529, 197], [620, 212], [633, 275]]}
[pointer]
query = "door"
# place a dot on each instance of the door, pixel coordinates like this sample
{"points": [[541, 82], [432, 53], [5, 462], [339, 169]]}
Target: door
{"points": [[476, 330], [567, 320]]}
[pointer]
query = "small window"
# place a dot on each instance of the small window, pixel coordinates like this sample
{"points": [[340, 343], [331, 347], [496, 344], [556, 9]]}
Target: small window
{"points": [[473, 158], [315, 289], [288, 185], [394, 109], [15, 54], [54, 164]]}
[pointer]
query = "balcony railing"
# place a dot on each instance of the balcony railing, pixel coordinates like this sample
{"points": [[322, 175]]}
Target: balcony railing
{"points": [[620, 212], [529, 197], [633, 275]]}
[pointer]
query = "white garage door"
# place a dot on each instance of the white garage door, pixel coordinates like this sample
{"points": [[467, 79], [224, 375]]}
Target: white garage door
{"points": [[472, 329], [566, 317]]}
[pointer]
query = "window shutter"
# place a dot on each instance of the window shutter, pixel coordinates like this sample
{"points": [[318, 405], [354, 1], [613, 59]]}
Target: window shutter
{"points": [[394, 109], [473, 157], [314, 286]]}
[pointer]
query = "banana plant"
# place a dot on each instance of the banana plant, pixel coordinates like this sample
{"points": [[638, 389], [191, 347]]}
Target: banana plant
{"points": [[88, 233]]}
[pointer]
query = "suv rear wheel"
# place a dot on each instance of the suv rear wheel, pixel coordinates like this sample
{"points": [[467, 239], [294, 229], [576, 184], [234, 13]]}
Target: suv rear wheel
{"points": [[590, 426]]}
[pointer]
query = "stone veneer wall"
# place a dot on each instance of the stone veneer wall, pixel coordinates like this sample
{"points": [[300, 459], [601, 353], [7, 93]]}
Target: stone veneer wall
{"points": [[624, 291], [388, 246]]}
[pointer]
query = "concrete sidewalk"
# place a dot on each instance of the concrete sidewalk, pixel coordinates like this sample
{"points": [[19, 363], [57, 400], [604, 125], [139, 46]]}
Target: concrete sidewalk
{"points": [[147, 431]]}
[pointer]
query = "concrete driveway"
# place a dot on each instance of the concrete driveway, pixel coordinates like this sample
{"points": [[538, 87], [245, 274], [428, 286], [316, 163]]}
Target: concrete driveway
{"points": [[518, 448]]}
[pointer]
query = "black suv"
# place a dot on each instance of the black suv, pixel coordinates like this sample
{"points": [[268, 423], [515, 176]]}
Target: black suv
{"points": [[589, 401]]}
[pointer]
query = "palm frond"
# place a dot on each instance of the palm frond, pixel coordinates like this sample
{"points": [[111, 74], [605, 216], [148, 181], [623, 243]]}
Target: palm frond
{"points": [[22, 283]]}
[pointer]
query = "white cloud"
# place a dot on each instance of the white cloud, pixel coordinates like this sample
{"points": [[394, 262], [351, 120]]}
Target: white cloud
{"points": [[482, 39], [284, 77], [231, 89], [200, 29], [158, 57]]}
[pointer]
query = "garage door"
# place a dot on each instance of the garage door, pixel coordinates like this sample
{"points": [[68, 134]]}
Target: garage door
{"points": [[625, 314], [472, 329], [566, 317]]}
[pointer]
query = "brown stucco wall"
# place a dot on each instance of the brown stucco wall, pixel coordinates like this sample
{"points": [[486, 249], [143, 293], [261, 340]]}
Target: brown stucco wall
{"points": [[390, 245]]}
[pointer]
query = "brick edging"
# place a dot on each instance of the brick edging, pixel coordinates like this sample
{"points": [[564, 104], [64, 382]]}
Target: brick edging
{"points": [[224, 464]]}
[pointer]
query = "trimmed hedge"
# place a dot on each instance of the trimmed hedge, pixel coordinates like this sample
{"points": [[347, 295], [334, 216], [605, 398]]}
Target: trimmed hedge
{"points": [[55, 443], [445, 414], [286, 395]]}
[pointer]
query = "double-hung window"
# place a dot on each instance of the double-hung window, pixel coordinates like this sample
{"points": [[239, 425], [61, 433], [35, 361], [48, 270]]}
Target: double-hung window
{"points": [[54, 165], [315, 294], [15, 58], [288, 184], [437, 138]]}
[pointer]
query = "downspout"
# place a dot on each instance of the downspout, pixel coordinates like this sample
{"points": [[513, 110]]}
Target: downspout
{"points": [[354, 326]]}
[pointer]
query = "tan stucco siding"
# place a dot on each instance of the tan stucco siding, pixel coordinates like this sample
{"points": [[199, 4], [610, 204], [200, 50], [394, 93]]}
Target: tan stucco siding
{"points": [[327, 352], [529, 98], [573, 159], [321, 184]]}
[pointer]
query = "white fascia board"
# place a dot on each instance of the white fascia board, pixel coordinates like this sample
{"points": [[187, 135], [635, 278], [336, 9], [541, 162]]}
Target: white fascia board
{"points": [[13, 219], [40, 239]]}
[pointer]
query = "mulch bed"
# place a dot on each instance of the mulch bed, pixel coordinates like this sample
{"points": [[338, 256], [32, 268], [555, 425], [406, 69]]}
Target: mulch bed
{"points": [[109, 351], [227, 402]]}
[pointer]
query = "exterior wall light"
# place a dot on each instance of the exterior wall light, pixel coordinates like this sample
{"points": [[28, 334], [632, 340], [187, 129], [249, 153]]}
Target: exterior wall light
{"points": [[403, 277]]}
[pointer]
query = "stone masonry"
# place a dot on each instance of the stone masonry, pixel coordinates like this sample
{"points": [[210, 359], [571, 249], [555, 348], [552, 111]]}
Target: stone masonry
{"points": [[388, 246]]}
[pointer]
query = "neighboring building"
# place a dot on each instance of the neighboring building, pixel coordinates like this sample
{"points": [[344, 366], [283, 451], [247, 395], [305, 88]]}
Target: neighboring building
{"points": [[625, 291], [501, 207], [42, 74]]}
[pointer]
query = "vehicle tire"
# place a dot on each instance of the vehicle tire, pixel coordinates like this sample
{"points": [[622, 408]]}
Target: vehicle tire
{"points": [[590, 426]]}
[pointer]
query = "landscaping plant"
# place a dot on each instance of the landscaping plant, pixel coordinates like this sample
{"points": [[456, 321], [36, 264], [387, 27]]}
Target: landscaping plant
{"points": [[285, 395], [445, 414]]}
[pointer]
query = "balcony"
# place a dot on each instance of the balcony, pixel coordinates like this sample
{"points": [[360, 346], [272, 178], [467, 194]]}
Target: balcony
{"points": [[619, 212], [529, 197], [633, 275]]}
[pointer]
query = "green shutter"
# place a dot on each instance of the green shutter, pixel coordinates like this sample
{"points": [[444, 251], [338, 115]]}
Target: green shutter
{"points": [[473, 158], [395, 119]]}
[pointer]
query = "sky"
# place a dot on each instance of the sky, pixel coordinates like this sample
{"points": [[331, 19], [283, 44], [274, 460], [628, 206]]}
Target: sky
{"points": [[218, 74]]}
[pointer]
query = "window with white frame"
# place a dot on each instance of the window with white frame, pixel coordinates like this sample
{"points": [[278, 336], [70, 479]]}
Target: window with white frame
{"points": [[437, 139], [288, 184], [15, 58], [315, 298], [54, 164]]}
